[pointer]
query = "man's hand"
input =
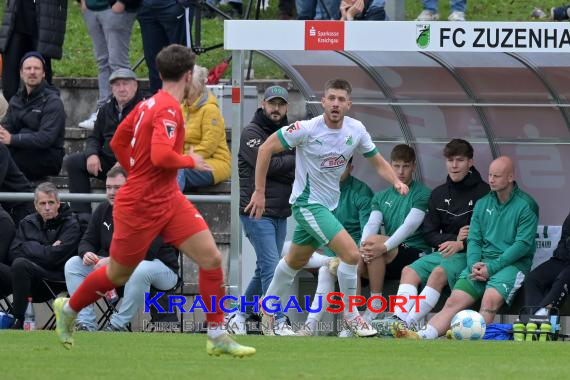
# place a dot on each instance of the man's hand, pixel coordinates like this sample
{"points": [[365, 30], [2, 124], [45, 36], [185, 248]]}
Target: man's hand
{"points": [[356, 9], [56, 243], [90, 258], [401, 187], [256, 206], [479, 272], [449, 248], [94, 165], [463, 233], [5, 136], [199, 163], [102, 262], [118, 7], [372, 248]]}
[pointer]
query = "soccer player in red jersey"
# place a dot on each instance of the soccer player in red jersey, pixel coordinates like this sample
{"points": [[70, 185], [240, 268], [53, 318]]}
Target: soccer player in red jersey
{"points": [[148, 143]]}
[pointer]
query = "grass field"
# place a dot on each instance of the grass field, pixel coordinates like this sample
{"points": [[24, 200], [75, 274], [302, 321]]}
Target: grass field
{"points": [[37, 355]]}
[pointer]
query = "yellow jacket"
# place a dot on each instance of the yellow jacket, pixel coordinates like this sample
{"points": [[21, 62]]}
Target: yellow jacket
{"points": [[206, 133]]}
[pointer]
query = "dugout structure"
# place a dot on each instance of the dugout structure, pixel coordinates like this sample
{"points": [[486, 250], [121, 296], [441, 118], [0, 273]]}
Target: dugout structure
{"points": [[505, 87]]}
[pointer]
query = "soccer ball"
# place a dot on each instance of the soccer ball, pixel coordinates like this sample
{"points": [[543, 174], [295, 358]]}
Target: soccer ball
{"points": [[468, 325]]}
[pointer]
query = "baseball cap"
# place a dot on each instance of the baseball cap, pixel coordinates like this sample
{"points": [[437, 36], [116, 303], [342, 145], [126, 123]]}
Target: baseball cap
{"points": [[122, 73], [276, 92]]}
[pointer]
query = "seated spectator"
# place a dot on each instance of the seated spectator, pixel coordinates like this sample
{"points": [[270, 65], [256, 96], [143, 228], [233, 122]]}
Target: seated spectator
{"points": [[385, 255], [547, 285], [3, 106], [98, 157], [445, 228], [205, 135], [12, 180], [500, 249], [318, 9], [368, 10], [160, 268], [34, 127], [43, 243], [7, 231], [430, 12]]}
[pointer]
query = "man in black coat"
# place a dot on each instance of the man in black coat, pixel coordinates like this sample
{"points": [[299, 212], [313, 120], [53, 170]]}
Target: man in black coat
{"points": [[34, 128], [30, 25], [159, 269], [12, 180], [98, 157], [43, 243]]}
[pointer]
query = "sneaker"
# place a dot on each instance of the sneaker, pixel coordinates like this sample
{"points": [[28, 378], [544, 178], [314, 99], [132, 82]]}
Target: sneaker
{"points": [[305, 332], [456, 16], [538, 13], [89, 123], [112, 328], [82, 327], [63, 323], [359, 326], [333, 266], [406, 334], [267, 320], [428, 15], [283, 329], [226, 345], [234, 327], [559, 13], [345, 333]]}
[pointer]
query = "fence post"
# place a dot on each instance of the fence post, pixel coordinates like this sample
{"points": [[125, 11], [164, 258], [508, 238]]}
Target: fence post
{"points": [[396, 10]]}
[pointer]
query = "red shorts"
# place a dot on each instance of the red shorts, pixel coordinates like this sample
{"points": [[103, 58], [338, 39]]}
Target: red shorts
{"points": [[130, 244]]}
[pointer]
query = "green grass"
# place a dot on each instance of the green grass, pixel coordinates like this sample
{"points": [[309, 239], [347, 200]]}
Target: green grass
{"points": [[78, 60], [148, 356]]}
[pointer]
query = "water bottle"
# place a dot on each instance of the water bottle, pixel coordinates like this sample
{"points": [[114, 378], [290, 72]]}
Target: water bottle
{"points": [[29, 317], [518, 331], [545, 331], [530, 331], [112, 296]]}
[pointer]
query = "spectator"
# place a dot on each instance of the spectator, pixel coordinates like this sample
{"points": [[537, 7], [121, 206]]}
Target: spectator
{"points": [[267, 234], [12, 180], [445, 228], [352, 212], [162, 23], [205, 135], [369, 10], [7, 231], [98, 157], [34, 128], [500, 249], [30, 25], [547, 285], [318, 9], [385, 255], [159, 269], [109, 23], [430, 12], [43, 243], [3, 106]]}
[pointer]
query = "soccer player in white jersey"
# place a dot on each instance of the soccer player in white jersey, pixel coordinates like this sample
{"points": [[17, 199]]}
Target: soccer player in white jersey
{"points": [[324, 145]]}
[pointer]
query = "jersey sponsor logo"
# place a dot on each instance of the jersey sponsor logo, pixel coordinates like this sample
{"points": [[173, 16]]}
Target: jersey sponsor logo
{"points": [[253, 142], [388, 203], [448, 201], [348, 140], [333, 162], [170, 127], [108, 225], [293, 127], [490, 211]]}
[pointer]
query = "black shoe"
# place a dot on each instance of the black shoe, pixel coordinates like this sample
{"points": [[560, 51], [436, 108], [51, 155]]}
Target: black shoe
{"points": [[560, 13]]}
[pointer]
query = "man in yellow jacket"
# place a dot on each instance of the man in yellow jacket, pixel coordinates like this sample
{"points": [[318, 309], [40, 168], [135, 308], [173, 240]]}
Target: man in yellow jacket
{"points": [[205, 135]]}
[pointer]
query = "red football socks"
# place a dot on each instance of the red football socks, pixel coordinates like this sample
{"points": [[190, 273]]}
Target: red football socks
{"points": [[212, 284]]}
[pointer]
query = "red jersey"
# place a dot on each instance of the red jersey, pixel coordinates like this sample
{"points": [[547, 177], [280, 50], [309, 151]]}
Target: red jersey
{"points": [[156, 122]]}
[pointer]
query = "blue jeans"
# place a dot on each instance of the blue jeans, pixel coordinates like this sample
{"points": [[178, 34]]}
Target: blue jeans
{"points": [[312, 9], [456, 5], [267, 236], [160, 27], [190, 178]]}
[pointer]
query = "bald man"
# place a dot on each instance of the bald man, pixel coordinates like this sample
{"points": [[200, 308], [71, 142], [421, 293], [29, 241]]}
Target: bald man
{"points": [[500, 250]]}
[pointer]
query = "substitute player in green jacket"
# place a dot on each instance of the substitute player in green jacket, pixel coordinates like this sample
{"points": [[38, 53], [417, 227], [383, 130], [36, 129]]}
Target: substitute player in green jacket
{"points": [[500, 250]]}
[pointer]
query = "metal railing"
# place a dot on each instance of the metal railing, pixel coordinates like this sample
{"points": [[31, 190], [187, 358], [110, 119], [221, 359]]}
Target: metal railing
{"points": [[90, 197]]}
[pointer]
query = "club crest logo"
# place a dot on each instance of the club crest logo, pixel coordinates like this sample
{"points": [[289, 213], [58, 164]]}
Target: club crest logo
{"points": [[422, 35], [170, 128], [293, 127]]}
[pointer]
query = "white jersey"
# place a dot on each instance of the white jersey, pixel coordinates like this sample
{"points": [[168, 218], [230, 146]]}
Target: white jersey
{"points": [[321, 157]]}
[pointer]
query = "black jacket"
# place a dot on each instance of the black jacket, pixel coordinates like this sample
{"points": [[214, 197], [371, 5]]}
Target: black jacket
{"points": [[106, 124], [280, 175], [562, 250], [97, 239], [34, 239], [37, 121], [451, 207], [51, 16], [12, 179]]}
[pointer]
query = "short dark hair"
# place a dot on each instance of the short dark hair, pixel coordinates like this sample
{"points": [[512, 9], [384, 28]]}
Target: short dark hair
{"points": [[403, 152], [174, 61], [116, 171], [458, 147], [338, 84], [46, 188]]}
